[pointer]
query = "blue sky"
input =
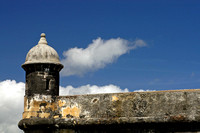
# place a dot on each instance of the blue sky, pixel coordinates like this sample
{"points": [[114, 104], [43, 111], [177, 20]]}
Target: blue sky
{"points": [[169, 28]]}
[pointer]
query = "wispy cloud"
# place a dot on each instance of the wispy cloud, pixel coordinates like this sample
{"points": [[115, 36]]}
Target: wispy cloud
{"points": [[97, 55]]}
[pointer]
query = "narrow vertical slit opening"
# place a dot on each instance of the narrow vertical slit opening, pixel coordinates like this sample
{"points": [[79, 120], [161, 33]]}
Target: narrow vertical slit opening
{"points": [[47, 84]]}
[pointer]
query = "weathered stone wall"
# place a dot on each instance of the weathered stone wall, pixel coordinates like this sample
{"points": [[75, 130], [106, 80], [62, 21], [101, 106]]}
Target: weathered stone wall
{"points": [[155, 111]]}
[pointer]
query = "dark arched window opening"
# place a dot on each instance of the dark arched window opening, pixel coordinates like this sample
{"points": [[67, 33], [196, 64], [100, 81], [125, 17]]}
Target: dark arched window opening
{"points": [[47, 84]]}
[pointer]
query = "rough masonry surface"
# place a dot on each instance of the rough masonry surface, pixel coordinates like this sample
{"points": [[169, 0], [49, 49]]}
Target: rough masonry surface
{"points": [[69, 112]]}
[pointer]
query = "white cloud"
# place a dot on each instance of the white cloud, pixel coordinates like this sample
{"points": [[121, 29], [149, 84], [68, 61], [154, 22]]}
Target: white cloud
{"points": [[12, 99], [142, 90], [98, 54], [90, 89], [11, 105]]}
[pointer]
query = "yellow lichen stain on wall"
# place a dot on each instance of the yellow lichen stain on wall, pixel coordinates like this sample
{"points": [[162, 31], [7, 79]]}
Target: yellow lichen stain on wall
{"points": [[44, 115], [25, 104], [37, 106], [61, 103], [114, 98], [34, 108], [56, 116], [74, 111], [42, 108], [29, 114]]}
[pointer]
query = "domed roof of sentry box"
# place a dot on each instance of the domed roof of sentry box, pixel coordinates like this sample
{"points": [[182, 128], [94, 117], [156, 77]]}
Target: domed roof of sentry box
{"points": [[42, 53]]}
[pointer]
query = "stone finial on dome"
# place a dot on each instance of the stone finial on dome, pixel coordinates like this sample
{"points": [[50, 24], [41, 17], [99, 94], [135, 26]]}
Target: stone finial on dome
{"points": [[43, 39], [42, 53]]}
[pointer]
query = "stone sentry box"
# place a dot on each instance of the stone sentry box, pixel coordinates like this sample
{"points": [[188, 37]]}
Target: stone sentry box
{"points": [[42, 68], [42, 79], [45, 111]]}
